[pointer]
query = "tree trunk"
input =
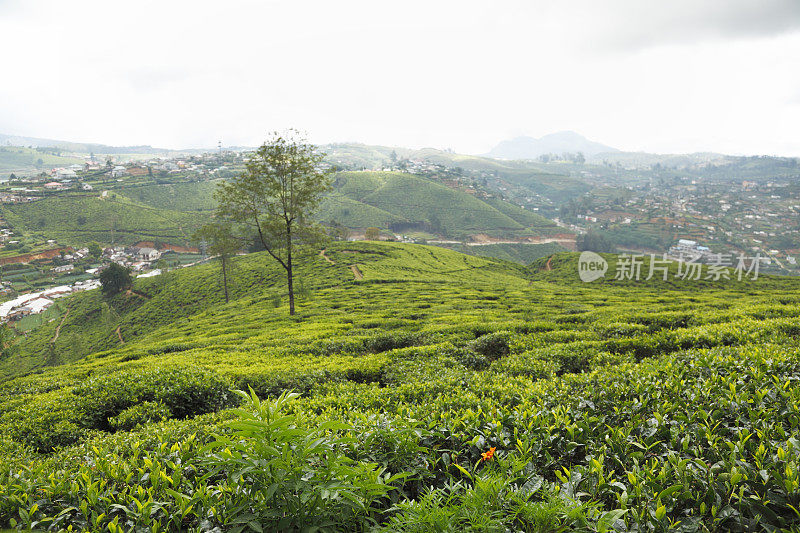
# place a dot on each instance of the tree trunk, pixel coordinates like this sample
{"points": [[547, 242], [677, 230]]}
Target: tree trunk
{"points": [[225, 278], [289, 269]]}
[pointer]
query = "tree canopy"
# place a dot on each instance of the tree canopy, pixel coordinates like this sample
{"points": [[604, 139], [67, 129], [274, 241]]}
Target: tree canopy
{"points": [[276, 196]]}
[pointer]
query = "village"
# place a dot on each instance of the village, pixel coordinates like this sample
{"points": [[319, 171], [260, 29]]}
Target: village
{"points": [[142, 261], [698, 217], [115, 169]]}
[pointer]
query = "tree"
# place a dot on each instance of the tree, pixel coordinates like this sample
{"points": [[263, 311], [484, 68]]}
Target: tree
{"points": [[222, 242], [595, 242], [275, 197], [115, 279], [372, 234], [94, 249]]}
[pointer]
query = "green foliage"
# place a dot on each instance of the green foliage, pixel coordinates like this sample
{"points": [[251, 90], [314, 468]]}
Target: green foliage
{"points": [[95, 250], [383, 199], [119, 221], [595, 241], [183, 391], [280, 476], [114, 279], [193, 196], [492, 345], [142, 413], [610, 407], [517, 252], [275, 198]]}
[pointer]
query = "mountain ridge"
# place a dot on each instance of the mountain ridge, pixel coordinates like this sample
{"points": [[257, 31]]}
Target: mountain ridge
{"points": [[525, 147]]}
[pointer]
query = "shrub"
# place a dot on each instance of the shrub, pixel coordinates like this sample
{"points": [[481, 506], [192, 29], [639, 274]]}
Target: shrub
{"points": [[492, 345], [186, 392], [142, 413], [392, 340], [284, 476], [46, 423]]}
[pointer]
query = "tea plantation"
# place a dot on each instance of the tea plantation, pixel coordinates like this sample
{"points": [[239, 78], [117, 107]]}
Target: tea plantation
{"points": [[441, 392]]}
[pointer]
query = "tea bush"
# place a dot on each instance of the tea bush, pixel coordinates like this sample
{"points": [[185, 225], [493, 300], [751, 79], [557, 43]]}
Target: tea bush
{"points": [[441, 392], [136, 415], [492, 345], [184, 392]]}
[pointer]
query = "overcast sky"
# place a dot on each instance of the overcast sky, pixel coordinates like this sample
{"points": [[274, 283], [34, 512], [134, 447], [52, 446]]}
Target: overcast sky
{"points": [[676, 76]]}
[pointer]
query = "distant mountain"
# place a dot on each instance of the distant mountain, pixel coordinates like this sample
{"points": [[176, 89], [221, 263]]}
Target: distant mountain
{"points": [[85, 148], [555, 143]]}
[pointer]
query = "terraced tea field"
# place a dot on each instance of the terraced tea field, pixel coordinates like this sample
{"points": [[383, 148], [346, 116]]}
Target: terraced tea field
{"points": [[440, 392]]}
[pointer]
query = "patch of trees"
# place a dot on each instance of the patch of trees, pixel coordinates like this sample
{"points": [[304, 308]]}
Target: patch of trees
{"points": [[115, 279], [594, 241]]}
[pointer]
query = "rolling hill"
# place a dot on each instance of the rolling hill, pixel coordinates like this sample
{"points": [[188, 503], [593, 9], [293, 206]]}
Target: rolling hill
{"points": [[22, 160], [448, 389], [362, 199], [539, 178], [79, 219], [385, 199]]}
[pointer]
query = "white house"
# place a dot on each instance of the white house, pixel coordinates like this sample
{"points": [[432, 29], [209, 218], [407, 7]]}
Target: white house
{"points": [[148, 254], [65, 174]]}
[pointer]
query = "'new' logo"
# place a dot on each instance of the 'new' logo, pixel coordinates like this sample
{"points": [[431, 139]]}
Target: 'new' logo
{"points": [[591, 266]]}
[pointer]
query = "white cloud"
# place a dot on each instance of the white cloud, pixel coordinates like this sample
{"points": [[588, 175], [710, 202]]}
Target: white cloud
{"points": [[446, 74]]}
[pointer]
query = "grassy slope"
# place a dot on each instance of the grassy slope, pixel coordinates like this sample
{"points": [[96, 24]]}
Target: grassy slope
{"points": [[352, 213], [558, 187], [592, 371], [363, 199], [23, 160], [57, 218], [194, 196], [413, 199], [94, 323], [521, 253]]}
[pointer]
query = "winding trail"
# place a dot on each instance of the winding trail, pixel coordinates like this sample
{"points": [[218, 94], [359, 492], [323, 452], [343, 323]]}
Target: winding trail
{"points": [[325, 257], [547, 265], [356, 272], [58, 329], [119, 334]]}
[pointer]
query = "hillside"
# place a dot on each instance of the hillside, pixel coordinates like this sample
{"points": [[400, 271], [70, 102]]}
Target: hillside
{"points": [[385, 198], [94, 323], [22, 160], [551, 182], [78, 219], [191, 196], [87, 148], [522, 253], [171, 212], [499, 400]]}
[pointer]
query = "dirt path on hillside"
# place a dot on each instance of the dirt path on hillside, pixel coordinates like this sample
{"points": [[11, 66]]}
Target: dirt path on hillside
{"points": [[356, 272], [131, 292], [547, 265], [58, 329], [325, 257], [119, 334]]}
